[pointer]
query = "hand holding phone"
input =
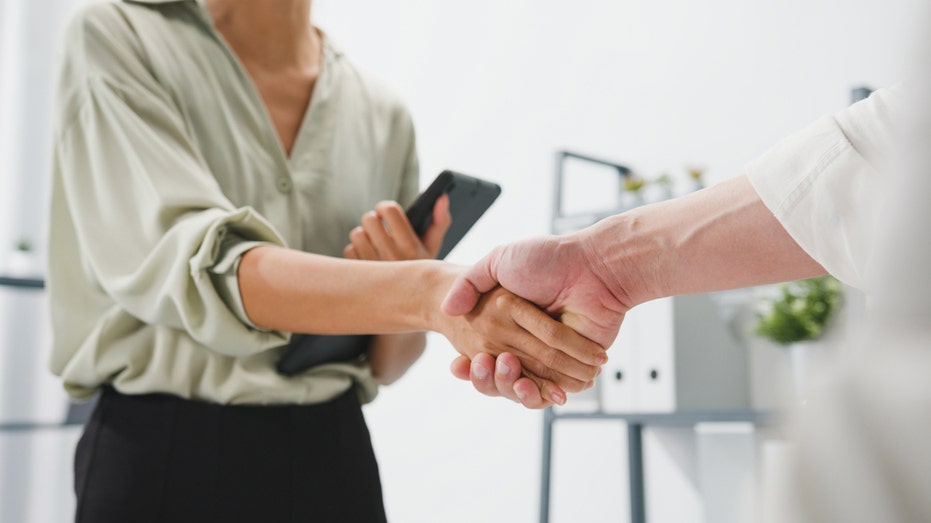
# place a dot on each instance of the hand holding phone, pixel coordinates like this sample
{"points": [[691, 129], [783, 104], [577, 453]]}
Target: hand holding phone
{"points": [[385, 234], [469, 198]]}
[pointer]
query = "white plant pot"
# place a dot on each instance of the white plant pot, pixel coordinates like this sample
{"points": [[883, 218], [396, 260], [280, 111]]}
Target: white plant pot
{"points": [[802, 356]]}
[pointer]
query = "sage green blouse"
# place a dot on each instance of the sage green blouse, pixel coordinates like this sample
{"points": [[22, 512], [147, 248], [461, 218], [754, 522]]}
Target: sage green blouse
{"points": [[167, 168]]}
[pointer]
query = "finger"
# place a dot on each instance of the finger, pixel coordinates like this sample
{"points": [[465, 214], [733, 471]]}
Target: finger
{"points": [[383, 243], [529, 394], [349, 252], [469, 287], [442, 219], [507, 371], [399, 229], [532, 365], [555, 334], [538, 327], [460, 367], [532, 385], [362, 245], [481, 372]]}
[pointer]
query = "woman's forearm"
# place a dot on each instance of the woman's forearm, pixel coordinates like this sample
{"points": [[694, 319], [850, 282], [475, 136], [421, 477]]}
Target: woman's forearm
{"points": [[391, 355], [294, 291]]}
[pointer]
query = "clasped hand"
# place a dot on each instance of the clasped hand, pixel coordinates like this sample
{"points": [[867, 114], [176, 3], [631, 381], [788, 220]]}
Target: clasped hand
{"points": [[548, 356], [558, 274]]}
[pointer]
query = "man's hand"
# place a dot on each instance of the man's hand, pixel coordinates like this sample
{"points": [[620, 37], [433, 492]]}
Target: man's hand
{"points": [[551, 356], [556, 274], [501, 376]]}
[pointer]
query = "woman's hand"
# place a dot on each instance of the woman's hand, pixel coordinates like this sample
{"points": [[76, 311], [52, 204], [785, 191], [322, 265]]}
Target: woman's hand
{"points": [[501, 376], [387, 235], [503, 324]]}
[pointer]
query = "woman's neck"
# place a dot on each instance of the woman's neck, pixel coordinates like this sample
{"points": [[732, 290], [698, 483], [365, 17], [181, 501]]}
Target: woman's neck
{"points": [[273, 33]]}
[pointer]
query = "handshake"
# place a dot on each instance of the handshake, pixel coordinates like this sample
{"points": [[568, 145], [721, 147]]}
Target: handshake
{"points": [[532, 320], [560, 313]]}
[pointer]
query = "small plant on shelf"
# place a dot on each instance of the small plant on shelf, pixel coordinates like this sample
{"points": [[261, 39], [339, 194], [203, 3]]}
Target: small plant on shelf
{"points": [[633, 183], [23, 245], [803, 311], [697, 175]]}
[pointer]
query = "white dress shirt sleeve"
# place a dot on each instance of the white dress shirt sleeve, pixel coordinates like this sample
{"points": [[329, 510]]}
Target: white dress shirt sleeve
{"points": [[824, 185]]}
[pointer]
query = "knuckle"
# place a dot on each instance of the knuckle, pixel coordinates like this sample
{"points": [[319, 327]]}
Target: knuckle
{"points": [[550, 332], [590, 373], [505, 300], [356, 235], [572, 385], [386, 206], [370, 220], [488, 347], [551, 358]]}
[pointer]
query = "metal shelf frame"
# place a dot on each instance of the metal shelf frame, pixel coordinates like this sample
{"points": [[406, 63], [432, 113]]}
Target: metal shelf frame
{"points": [[635, 423], [78, 413]]}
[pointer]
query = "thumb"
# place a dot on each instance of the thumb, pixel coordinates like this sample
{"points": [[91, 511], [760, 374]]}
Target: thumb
{"points": [[460, 367], [433, 238], [470, 285]]}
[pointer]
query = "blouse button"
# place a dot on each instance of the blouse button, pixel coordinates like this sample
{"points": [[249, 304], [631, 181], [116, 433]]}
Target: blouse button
{"points": [[284, 184]]}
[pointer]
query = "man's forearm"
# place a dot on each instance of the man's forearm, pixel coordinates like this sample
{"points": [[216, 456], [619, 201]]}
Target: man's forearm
{"points": [[722, 237]]}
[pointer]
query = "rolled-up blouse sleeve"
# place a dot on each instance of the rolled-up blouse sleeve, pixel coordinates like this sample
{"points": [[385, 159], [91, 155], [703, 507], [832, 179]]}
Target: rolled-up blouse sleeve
{"points": [[156, 233]]}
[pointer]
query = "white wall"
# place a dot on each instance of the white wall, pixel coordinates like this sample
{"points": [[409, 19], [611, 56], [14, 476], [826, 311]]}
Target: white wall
{"points": [[495, 88]]}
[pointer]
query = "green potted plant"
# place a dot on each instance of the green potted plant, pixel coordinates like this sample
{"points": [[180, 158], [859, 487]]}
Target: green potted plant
{"points": [[799, 317]]}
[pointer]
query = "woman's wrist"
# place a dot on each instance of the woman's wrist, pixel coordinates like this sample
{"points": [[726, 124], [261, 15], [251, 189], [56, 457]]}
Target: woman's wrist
{"points": [[434, 279]]}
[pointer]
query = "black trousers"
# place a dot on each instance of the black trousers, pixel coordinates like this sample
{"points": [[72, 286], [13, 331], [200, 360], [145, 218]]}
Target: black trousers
{"points": [[159, 458]]}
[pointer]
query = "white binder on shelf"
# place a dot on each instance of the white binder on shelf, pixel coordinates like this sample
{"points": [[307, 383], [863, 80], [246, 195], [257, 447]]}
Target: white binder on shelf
{"points": [[671, 354], [616, 383], [675, 354], [655, 371]]}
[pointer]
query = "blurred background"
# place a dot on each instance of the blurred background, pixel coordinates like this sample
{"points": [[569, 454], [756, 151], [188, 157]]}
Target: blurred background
{"points": [[496, 89]]}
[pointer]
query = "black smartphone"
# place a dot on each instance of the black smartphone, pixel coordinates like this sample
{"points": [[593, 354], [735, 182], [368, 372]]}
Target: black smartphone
{"points": [[469, 198]]}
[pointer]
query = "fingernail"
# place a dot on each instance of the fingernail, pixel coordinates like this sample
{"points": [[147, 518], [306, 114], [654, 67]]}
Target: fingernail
{"points": [[557, 398], [589, 385], [479, 372], [503, 369], [520, 394], [597, 372], [602, 359]]}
